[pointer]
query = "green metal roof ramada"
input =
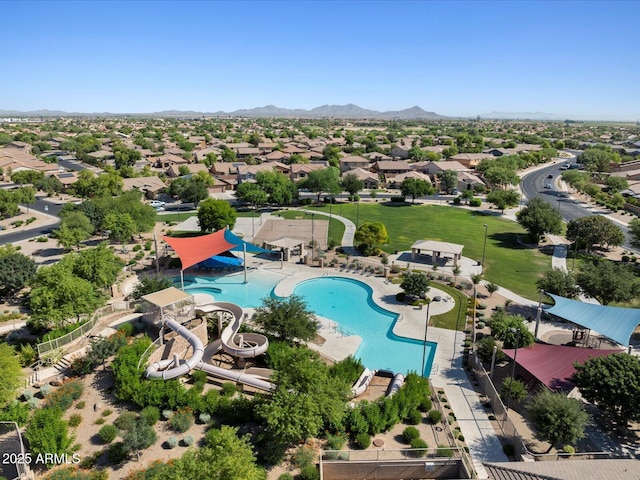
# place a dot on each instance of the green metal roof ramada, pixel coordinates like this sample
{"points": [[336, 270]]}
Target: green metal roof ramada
{"points": [[615, 323]]}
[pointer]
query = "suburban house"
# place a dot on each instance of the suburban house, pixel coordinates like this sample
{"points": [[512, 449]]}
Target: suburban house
{"points": [[470, 160], [102, 155], [149, 186], [16, 159], [400, 151], [200, 155], [224, 168], [266, 147], [298, 171], [166, 160], [276, 156], [434, 168], [246, 152], [377, 156], [66, 178], [349, 162], [391, 167], [468, 180], [396, 181], [370, 180], [193, 168], [249, 172]]}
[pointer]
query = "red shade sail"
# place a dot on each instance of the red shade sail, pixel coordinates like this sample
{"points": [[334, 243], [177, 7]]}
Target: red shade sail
{"points": [[192, 250], [553, 364]]}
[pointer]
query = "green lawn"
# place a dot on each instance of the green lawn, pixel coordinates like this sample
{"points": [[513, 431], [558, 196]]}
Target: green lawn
{"points": [[174, 217], [455, 318], [508, 263], [336, 227]]}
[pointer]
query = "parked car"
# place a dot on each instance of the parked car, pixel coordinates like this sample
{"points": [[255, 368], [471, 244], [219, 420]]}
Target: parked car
{"points": [[548, 185], [564, 167], [159, 209], [156, 203]]}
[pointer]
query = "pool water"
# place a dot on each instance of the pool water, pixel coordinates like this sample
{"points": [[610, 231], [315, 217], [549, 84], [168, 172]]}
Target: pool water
{"points": [[231, 288], [350, 303]]}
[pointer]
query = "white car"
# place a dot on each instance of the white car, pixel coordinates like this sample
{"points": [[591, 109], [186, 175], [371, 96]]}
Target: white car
{"points": [[156, 203]]}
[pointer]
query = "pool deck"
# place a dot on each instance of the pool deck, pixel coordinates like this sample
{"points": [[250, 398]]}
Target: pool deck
{"points": [[447, 372]]}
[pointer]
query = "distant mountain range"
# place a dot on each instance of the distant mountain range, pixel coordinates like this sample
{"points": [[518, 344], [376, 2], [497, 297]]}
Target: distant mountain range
{"points": [[334, 111]]}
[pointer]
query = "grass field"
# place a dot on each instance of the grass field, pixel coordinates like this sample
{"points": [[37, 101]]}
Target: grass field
{"points": [[453, 319], [507, 262]]}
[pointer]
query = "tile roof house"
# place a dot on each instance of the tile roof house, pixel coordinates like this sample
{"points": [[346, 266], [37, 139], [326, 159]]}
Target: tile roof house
{"points": [[391, 167], [164, 161], [470, 160], [396, 182], [200, 155], [225, 168], [174, 169], [249, 172], [433, 168], [14, 160], [150, 186], [468, 180], [276, 156], [350, 162], [370, 180], [298, 171]]}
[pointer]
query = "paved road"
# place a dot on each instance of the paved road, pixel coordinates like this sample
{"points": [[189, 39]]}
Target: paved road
{"points": [[41, 206]]}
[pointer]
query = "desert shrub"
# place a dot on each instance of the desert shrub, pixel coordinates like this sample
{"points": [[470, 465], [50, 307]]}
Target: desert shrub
{"points": [[181, 421], [45, 390], [444, 451], [485, 350], [81, 366], [172, 442], [188, 440], [106, 412], [410, 433], [125, 421], [199, 376], [75, 420], [126, 328], [89, 461], [150, 415], [303, 456], [167, 414], [350, 369], [362, 441], [568, 449], [108, 433], [117, 453], [99, 421], [229, 389], [475, 202], [309, 472], [421, 444], [285, 476], [80, 405], [27, 395], [434, 416], [336, 441], [425, 404], [414, 418], [64, 396]]}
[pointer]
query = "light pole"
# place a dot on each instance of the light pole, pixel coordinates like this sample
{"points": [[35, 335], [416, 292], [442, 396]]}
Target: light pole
{"points": [[426, 328], [357, 213], [312, 238], [484, 247], [513, 370]]}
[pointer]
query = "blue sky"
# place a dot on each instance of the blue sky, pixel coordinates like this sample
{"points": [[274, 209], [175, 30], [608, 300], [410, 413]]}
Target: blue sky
{"points": [[459, 58]]}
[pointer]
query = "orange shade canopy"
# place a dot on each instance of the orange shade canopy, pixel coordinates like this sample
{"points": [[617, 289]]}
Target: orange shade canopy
{"points": [[192, 250]]}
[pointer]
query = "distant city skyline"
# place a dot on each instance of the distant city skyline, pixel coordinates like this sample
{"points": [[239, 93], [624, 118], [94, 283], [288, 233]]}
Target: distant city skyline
{"points": [[573, 59]]}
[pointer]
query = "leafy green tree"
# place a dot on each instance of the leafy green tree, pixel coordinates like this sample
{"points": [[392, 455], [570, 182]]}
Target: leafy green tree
{"points": [[449, 180], [414, 187], [607, 281], [611, 382], [48, 433], [11, 379], [504, 198], [120, 226], [286, 318], [107, 184], [320, 181], [149, 285], [539, 218], [415, 284], [99, 265], [75, 228], [57, 296], [369, 235], [279, 188], [193, 191], [22, 177], [594, 230], [558, 418], [352, 184], [214, 215], [502, 325], [616, 184], [16, 271], [501, 176], [598, 159], [252, 193], [140, 437], [559, 282]]}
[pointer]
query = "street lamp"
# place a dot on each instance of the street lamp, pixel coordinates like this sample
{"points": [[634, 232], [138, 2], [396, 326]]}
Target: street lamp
{"points": [[312, 237], [484, 248], [426, 328], [513, 369], [357, 212]]}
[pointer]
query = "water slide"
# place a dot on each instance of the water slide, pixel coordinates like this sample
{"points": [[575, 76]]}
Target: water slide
{"points": [[246, 345]]}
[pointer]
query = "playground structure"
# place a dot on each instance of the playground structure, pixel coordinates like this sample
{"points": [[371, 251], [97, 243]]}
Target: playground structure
{"points": [[241, 346]]}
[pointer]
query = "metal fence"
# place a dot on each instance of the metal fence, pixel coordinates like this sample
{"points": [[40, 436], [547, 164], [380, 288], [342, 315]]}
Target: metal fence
{"points": [[391, 454], [82, 330]]}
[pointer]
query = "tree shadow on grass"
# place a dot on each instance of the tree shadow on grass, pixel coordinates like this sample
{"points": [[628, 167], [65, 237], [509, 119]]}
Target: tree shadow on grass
{"points": [[509, 240]]}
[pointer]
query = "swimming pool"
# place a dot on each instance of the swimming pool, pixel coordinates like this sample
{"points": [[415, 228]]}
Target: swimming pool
{"points": [[350, 303], [231, 288]]}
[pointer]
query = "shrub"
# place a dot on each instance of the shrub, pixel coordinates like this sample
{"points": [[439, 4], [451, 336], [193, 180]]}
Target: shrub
{"points": [[229, 389], [137, 248], [126, 328], [336, 442], [117, 453], [125, 421], [64, 397], [181, 421], [199, 376], [444, 451], [434, 416], [410, 433], [172, 442], [150, 415], [285, 476], [475, 202], [414, 418], [27, 395], [309, 472], [167, 414], [568, 449], [45, 390], [303, 456], [188, 440], [363, 440], [106, 412], [204, 418], [75, 419], [99, 421], [420, 444], [456, 201], [425, 404], [108, 433]]}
